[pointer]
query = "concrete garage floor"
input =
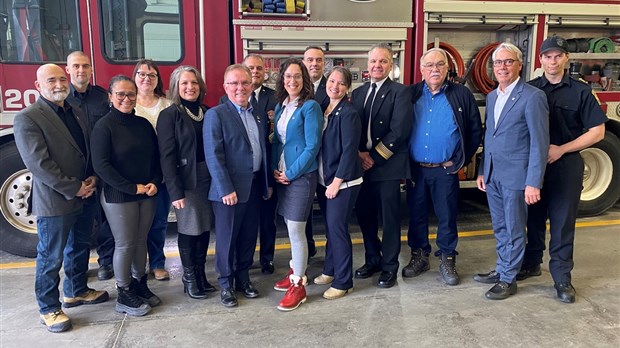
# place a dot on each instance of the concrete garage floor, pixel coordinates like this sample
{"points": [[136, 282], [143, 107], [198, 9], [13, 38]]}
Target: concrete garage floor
{"points": [[418, 312]]}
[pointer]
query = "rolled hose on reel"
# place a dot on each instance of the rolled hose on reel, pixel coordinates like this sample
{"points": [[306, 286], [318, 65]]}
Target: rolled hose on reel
{"points": [[479, 76], [602, 45]]}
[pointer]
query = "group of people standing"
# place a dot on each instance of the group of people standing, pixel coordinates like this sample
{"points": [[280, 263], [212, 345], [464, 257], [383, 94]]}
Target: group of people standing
{"points": [[261, 152]]}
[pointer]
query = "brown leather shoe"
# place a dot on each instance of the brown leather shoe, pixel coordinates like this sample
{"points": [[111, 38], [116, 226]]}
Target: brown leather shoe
{"points": [[333, 293], [90, 296], [161, 274], [56, 321]]}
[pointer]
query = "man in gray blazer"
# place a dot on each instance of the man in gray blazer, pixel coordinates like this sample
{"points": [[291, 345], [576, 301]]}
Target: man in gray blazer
{"points": [[513, 166], [53, 142]]}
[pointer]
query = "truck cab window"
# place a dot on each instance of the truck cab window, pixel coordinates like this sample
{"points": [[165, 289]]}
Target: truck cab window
{"points": [[38, 31], [136, 29]]}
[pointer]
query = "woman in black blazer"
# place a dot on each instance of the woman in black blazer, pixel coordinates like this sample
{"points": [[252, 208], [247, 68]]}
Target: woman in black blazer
{"points": [[179, 133], [340, 178]]}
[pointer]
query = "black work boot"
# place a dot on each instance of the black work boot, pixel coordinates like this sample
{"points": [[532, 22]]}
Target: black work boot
{"points": [[417, 265], [447, 268], [190, 284], [129, 302], [144, 293]]}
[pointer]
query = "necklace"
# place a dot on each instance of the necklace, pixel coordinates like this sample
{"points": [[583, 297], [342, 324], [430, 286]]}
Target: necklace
{"points": [[194, 117]]}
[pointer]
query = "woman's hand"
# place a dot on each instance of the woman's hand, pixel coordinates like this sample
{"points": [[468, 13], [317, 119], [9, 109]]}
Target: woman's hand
{"points": [[331, 191], [151, 189], [280, 177]]}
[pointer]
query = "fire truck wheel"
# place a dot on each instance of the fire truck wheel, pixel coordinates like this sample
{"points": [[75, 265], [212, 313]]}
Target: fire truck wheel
{"points": [[18, 231], [601, 177]]}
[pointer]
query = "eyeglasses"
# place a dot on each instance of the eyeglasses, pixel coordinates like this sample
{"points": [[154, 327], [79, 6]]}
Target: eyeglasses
{"points": [[120, 96], [143, 75], [237, 83], [438, 65], [506, 62], [293, 77]]}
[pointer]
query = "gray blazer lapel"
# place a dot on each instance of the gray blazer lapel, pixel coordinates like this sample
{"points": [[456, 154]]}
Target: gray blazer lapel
{"points": [[50, 115]]}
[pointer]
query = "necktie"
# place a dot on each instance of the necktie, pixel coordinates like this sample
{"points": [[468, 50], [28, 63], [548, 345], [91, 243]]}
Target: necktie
{"points": [[367, 113], [253, 100]]}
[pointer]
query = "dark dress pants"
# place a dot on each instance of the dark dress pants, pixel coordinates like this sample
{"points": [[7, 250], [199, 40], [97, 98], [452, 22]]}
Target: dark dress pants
{"points": [[339, 249], [438, 188], [380, 197], [236, 230], [559, 202], [267, 234]]}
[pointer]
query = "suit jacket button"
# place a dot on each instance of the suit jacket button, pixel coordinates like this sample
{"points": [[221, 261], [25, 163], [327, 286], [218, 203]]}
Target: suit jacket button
{"points": [[380, 122], [391, 145], [377, 139]]}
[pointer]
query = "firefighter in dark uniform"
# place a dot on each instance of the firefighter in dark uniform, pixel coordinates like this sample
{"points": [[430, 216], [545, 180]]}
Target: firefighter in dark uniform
{"points": [[93, 100], [576, 122]]}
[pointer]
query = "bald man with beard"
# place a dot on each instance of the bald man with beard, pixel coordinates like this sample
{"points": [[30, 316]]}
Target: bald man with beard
{"points": [[52, 139]]}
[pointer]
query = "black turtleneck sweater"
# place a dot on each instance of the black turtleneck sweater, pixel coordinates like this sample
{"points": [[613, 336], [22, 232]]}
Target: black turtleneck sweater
{"points": [[125, 153], [194, 107]]}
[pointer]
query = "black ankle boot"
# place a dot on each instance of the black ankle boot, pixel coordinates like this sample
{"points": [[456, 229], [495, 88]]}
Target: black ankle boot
{"points": [[190, 283], [144, 293], [129, 302]]}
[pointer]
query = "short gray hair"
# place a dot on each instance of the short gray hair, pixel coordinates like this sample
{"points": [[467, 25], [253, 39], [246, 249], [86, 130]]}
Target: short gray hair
{"points": [[434, 49], [510, 48]]}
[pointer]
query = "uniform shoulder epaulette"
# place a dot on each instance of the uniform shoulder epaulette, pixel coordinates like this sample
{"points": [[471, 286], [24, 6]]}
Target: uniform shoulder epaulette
{"points": [[580, 80]]}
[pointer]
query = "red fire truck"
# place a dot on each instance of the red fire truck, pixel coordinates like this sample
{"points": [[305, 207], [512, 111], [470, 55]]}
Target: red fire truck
{"points": [[212, 34]]}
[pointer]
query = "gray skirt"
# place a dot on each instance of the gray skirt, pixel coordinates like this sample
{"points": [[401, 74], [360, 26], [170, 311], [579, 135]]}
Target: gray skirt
{"points": [[295, 199], [197, 216]]}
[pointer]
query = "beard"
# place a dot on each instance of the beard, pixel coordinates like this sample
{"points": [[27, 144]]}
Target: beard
{"points": [[58, 96]]}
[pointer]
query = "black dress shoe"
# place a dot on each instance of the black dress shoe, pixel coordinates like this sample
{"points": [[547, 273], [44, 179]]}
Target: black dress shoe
{"points": [[248, 290], [267, 267], [105, 272], [208, 287], [387, 279], [227, 297], [566, 292], [366, 271], [501, 290], [525, 273], [487, 278]]}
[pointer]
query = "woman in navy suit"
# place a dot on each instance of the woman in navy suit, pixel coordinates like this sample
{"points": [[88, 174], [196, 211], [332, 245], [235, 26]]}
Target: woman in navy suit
{"points": [[297, 138], [340, 177], [179, 129]]}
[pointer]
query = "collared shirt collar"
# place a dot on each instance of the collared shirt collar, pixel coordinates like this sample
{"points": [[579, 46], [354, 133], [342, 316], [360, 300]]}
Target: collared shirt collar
{"points": [[379, 83], [55, 106], [74, 92], [509, 88], [565, 80], [442, 89], [317, 83], [240, 108]]}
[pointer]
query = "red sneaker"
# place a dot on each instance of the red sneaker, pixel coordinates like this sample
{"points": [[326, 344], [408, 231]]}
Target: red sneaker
{"points": [[295, 295], [285, 283]]}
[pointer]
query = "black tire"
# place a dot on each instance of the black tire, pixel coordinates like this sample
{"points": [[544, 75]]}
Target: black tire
{"points": [[601, 178], [18, 233]]}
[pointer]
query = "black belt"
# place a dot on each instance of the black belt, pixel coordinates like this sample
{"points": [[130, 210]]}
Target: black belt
{"points": [[436, 165]]}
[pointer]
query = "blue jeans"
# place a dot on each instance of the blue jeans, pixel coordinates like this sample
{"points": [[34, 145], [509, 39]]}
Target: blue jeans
{"points": [[67, 238], [157, 234]]}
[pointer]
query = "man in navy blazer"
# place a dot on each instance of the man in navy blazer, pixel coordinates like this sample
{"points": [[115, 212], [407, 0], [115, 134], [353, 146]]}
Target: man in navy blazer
{"points": [[263, 100], [513, 165], [52, 138], [385, 109], [236, 154]]}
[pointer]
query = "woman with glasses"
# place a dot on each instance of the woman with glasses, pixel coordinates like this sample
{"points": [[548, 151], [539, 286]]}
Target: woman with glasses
{"points": [[297, 138], [179, 133], [340, 179], [126, 158], [151, 101]]}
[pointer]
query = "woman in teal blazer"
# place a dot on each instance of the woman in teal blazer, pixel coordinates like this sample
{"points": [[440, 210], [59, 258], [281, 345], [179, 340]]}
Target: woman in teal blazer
{"points": [[298, 126]]}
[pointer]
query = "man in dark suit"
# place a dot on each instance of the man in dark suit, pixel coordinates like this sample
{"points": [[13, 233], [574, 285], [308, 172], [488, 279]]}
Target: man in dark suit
{"points": [[314, 60], [93, 100], [235, 151], [513, 165], [385, 108], [52, 139], [263, 101]]}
